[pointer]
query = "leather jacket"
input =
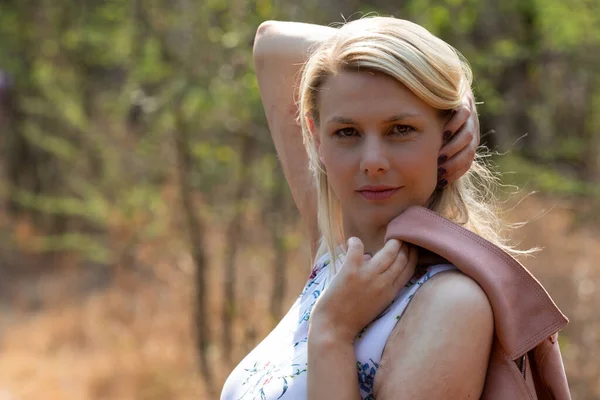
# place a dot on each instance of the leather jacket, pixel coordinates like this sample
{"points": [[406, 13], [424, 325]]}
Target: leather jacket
{"points": [[525, 361]]}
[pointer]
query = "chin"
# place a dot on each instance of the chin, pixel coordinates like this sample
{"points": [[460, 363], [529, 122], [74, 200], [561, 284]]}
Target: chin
{"points": [[384, 217], [399, 209]]}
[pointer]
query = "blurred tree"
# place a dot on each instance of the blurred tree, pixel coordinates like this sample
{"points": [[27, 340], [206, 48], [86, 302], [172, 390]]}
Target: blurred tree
{"points": [[233, 239], [112, 102], [281, 208]]}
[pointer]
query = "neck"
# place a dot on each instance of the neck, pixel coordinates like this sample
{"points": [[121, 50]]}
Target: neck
{"points": [[372, 236]]}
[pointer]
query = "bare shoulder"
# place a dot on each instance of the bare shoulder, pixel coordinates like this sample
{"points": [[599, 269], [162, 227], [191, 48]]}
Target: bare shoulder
{"points": [[444, 336], [450, 302], [453, 292]]}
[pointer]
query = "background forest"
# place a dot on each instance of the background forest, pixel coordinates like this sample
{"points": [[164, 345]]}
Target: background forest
{"points": [[148, 236]]}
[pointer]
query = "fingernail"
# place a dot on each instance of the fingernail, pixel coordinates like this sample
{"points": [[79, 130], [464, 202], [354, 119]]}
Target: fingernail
{"points": [[441, 172], [447, 135], [442, 184], [442, 159]]}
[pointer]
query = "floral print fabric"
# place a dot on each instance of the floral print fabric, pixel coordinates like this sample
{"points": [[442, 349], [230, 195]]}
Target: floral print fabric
{"points": [[277, 367]]}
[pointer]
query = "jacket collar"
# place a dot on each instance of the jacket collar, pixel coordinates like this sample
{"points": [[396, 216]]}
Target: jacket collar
{"points": [[524, 313]]}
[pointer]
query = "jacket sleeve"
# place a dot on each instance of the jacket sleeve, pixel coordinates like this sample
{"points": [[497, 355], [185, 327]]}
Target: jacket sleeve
{"points": [[551, 380]]}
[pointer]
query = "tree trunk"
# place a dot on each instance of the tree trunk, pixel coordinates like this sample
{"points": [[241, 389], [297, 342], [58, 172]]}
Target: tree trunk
{"points": [[277, 230], [526, 78], [196, 240], [232, 241], [591, 156]]}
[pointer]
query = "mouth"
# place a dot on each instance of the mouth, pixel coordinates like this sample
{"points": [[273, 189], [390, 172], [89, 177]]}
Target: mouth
{"points": [[377, 193]]}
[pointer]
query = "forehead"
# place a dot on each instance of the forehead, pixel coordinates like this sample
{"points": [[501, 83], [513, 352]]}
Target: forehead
{"points": [[368, 95]]}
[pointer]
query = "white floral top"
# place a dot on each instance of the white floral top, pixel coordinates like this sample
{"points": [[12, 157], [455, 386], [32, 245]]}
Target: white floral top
{"points": [[276, 368]]}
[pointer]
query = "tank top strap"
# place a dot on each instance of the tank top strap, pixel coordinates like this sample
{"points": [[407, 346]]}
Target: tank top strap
{"points": [[370, 342]]}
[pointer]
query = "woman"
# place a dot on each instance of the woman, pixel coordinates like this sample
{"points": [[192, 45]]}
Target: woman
{"points": [[388, 122]]}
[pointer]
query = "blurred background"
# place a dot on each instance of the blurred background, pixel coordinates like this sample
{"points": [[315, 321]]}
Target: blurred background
{"points": [[148, 237]]}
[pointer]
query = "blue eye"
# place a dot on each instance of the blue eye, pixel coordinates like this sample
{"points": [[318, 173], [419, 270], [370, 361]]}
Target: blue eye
{"points": [[401, 130], [345, 132]]}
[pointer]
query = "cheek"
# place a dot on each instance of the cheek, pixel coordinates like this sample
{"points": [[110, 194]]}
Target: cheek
{"points": [[420, 166], [420, 170], [340, 165]]}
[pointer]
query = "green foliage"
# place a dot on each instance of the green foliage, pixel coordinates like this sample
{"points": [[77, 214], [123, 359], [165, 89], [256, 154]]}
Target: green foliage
{"points": [[106, 91], [523, 173], [87, 246], [188, 66], [569, 24]]}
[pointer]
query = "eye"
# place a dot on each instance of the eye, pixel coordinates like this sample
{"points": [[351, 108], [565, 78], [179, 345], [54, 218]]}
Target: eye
{"points": [[345, 133], [401, 130]]}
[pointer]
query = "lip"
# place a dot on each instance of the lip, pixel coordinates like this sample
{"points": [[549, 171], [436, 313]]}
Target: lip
{"points": [[377, 192]]}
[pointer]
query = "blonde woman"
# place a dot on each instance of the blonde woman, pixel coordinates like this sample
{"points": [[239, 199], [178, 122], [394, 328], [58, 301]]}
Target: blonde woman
{"points": [[387, 121]]}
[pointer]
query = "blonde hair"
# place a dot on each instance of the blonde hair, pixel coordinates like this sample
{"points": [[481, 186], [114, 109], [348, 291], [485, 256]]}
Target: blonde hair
{"points": [[436, 73]]}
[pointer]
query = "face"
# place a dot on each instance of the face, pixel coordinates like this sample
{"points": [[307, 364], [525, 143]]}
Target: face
{"points": [[379, 144]]}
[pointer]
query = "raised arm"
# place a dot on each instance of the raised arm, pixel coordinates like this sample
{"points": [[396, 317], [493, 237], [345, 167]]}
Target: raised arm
{"points": [[280, 50]]}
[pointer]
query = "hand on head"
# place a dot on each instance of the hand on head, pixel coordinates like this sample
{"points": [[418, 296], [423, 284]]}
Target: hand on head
{"points": [[461, 138]]}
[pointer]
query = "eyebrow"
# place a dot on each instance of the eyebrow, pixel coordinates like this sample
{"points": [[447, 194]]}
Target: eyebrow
{"points": [[350, 121]]}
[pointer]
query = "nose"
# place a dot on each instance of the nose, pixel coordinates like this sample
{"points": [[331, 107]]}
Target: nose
{"points": [[374, 158]]}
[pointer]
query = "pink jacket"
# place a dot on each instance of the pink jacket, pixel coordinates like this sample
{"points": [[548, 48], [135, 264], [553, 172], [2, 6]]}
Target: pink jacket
{"points": [[525, 362]]}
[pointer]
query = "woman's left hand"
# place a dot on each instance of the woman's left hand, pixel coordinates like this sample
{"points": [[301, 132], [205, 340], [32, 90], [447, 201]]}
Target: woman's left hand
{"points": [[361, 289], [461, 135]]}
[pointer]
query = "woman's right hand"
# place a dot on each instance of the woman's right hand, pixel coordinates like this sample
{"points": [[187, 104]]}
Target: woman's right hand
{"points": [[362, 288], [461, 137]]}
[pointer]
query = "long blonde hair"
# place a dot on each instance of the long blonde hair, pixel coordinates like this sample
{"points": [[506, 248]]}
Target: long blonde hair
{"points": [[436, 73]]}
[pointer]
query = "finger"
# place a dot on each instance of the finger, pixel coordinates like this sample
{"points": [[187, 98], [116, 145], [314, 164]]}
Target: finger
{"points": [[355, 252], [463, 138], [458, 165], [459, 118], [465, 117], [384, 257], [367, 257], [408, 271], [397, 265], [461, 161], [475, 118]]}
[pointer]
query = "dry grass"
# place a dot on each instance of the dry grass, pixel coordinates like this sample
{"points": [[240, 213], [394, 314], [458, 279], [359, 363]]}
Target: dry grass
{"points": [[134, 340]]}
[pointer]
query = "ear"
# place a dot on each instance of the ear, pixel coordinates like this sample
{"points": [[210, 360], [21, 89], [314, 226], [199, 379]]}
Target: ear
{"points": [[315, 134]]}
